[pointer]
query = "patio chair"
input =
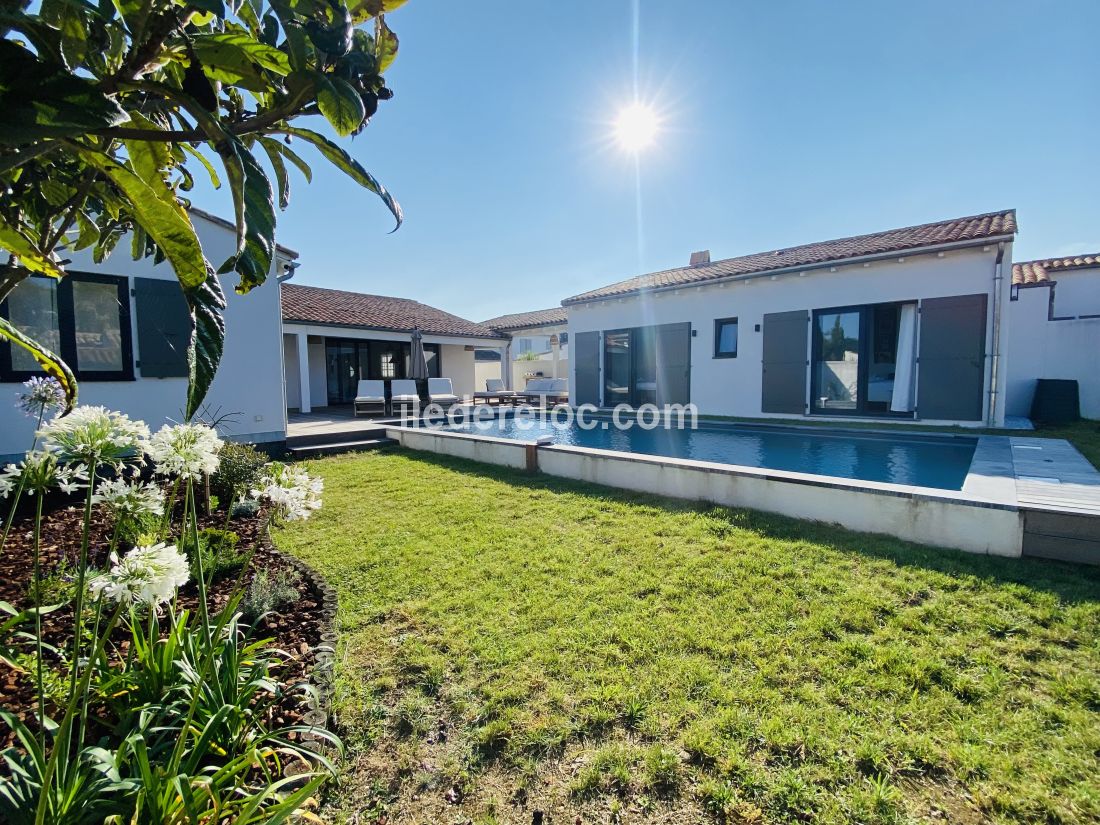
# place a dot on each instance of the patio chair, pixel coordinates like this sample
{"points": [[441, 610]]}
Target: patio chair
{"points": [[403, 395], [495, 392], [370, 397], [441, 393]]}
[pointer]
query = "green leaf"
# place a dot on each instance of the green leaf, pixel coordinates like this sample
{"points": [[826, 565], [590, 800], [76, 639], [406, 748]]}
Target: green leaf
{"points": [[215, 181], [385, 44], [166, 222], [40, 100], [18, 244], [349, 166], [339, 103], [255, 210], [204, 353], [275, 155], [150, 159], [363, 10], [238, 50], [49, 362]]}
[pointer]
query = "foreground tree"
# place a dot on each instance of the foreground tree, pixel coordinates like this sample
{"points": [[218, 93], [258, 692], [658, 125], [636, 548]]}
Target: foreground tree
{"points": [[109, 106]]}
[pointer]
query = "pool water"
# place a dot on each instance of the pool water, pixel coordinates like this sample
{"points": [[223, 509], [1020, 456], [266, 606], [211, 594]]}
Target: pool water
{"points": [[898, 458]]}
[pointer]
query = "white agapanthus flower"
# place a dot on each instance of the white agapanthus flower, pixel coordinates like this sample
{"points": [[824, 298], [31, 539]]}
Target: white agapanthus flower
{"points": [[184, 450], [42, 396], [145, 575], [39, 471], [293, 493], [123, 498], [94, 436]]}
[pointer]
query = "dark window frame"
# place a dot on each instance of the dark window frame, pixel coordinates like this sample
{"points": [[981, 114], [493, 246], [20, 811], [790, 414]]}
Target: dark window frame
{"points": [[718, 324], [66, 327]]}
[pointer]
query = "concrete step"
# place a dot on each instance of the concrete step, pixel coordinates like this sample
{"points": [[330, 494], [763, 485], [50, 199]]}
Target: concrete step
{"points": [[332, 448], [337, 437], [1062, 536]]}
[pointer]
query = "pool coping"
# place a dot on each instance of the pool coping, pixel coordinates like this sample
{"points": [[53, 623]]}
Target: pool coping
{"points": [[996, 491]]}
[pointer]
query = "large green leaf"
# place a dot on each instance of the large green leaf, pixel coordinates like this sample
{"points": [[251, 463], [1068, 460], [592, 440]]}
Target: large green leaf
{"points": [[254, 205], [349, 166], [164, 221], [204, 353], [339, 103], [275, 156], [238, 50], [49, 362], [41, 100], [150, 159], [17, 243], [385, 44]]}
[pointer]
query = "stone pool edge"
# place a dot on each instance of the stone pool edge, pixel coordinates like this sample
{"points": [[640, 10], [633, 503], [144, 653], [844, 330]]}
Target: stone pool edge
{"points": [[982, 518]]}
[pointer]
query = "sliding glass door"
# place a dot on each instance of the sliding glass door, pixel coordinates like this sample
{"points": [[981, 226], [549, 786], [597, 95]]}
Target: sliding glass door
{"points": [[347, 361], [863, 360]]}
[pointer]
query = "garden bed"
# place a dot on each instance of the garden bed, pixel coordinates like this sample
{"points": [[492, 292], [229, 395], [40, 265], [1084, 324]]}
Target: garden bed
{"points": [[295, 629]]}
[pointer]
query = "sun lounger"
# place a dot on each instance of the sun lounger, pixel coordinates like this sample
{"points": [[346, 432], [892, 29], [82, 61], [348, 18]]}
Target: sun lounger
{"points": [[370, 397], [440, 392], [403, 395]]}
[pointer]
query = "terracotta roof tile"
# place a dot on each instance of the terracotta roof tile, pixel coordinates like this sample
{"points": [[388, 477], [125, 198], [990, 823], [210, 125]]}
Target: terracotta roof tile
{"points": [[1028, 273], [522, 320], [315, 305], [975, 227]]}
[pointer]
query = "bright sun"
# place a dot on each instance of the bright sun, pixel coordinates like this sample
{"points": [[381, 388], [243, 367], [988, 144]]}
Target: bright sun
{"points": [[636, 127]]}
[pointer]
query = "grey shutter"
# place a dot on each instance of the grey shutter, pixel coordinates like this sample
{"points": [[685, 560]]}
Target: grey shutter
{"points": [[786, 335], [951, 365], [673, 364], [586, 367], [163, 327]]}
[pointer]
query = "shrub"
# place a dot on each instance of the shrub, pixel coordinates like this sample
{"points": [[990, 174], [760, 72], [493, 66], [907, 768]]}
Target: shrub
{"points": [[245, 509], [268, 592], [238, 472]]}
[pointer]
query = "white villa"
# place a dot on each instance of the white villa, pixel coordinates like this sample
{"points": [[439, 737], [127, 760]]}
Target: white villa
{"points": [[928, 323], [931, 323]]}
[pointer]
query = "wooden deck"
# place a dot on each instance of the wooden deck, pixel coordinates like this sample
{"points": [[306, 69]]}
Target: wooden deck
{"points": [[1052, 475]]}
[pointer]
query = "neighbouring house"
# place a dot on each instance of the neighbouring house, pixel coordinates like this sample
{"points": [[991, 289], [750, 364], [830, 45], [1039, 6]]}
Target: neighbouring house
{"points": [[123, 326], [909, 324], [538, 343], [333, 338], [1055, 329]]}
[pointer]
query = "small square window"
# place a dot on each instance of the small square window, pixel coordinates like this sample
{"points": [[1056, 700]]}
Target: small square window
{"points": [[725, 338]]}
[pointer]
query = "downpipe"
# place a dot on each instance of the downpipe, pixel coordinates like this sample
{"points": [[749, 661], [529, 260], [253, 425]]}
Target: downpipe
{"points": [[995, 357]]}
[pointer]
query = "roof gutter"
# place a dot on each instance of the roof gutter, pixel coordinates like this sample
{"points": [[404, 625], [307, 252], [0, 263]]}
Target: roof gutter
{"points": [[767, 273]]}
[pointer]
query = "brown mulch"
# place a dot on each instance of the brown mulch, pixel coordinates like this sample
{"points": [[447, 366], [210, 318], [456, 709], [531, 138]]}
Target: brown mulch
{"points": [[296, 630]]}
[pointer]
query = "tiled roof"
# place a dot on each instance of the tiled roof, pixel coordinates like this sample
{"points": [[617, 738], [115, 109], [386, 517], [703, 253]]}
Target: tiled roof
{"points": [[1027, 273], [523, 320], [314, 305], [973, 228]]}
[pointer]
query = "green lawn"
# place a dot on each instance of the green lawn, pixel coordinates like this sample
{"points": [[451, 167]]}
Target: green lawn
{"points": [[513, 644]]}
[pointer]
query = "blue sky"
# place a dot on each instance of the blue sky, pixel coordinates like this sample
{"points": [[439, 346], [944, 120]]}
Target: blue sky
{"points": [[784, 122]]}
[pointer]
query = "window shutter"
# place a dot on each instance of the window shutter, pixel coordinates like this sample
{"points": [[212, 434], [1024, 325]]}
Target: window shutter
{"points": [[163, 327]]}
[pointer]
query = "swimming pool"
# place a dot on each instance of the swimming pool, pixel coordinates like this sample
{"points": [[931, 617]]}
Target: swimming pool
{"points": [[897, 458]]}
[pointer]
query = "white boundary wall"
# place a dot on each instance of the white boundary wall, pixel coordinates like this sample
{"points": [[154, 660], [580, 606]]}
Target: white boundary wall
{"points": [[938, 518]]}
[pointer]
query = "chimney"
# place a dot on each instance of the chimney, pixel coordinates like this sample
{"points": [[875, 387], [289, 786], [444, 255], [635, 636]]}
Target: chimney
{"points": [[700, 258]]}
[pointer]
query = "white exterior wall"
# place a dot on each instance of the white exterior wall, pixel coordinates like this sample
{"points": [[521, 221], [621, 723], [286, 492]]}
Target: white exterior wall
{"points": [[733, 386], [1077, 292], [1042, 348], [457, 363], [484, 370], [249, 381], [290, 372]]}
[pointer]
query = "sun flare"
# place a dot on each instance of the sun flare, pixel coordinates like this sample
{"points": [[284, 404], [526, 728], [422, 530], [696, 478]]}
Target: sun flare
{"points": [[636, 127]]}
